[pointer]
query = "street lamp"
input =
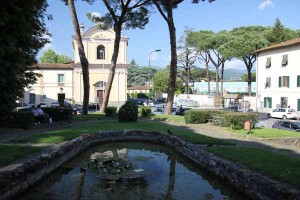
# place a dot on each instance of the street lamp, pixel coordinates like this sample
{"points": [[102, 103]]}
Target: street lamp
{"points": [[157, 50]]}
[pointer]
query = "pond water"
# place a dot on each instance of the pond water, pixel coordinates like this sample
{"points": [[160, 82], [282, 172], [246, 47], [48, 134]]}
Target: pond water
{"points": [[165, 176]]}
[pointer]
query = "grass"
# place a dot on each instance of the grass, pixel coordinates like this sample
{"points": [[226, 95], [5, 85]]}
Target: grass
{"points": [[268, 133], [11, 153], [91, 116], [278, 166], [58, 136], [169, 118]]}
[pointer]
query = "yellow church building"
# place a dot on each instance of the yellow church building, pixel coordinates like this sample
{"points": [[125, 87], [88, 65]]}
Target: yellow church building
{"points": [[64, 81]]}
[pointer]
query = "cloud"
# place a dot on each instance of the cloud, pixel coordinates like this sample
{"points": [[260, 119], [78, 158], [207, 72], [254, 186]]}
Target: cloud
{"points": [[235, 64], [265, 4], [96, 14]]}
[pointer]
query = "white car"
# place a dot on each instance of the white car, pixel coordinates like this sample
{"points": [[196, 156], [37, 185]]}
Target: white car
{"points": [[284, 113]]}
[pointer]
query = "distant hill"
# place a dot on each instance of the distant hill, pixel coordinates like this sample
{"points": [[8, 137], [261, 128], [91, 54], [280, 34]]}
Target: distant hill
{"points": [[230, 73]]}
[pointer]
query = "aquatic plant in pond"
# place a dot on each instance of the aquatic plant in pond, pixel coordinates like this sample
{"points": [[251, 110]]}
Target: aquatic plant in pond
{"points": [[168, 177], [113, 168]]}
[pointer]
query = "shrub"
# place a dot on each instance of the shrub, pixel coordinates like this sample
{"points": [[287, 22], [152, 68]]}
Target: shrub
{"points": [[142, 95], [236, 120], [145, 111], [233, 120], [22, 119], [128, 112], [197, 116], [111, 111], [60, 114]]}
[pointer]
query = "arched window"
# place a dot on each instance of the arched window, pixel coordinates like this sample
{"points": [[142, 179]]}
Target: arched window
{"points": [[100, 52]]}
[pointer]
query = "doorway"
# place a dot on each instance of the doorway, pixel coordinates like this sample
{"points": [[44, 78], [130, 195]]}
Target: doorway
{"points": [[284, 102], [100, 95], [61, 98]]}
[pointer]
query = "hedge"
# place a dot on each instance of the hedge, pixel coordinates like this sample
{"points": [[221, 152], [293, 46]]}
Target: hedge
{"points": [[233, 120], [128, 112], [59, 114], [111, 111], [145, 111], [22, 119]]}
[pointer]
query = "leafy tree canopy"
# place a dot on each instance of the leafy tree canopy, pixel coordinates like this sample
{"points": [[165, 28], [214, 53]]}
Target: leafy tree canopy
{"points": [[22, 31], [161, 81], [139, 75], [50, 56], [245, 77], [279, 33]]}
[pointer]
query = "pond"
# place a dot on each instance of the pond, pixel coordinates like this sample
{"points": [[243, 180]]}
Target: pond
{"points": [[161, 175]]}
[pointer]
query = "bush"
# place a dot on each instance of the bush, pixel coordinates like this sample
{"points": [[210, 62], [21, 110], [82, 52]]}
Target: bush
{"points": [[59, 114], [22, 119], [128, 112], [197, 116], [145, 111], [111, 111], [233, 120], [236, 120]]}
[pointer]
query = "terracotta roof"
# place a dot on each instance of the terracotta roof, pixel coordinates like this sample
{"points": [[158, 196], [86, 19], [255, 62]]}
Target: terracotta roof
{"points": [[280, 45], [139, 87], [53, 66]]}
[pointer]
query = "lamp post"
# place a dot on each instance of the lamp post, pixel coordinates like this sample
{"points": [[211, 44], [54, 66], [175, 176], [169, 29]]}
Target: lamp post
{"points": [[157, 50]]}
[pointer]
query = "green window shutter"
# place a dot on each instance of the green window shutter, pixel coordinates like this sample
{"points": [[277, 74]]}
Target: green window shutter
{"points": [[280, 82], [265, 102], [270, 102], [288, 81], [298, 107], [298, 81]]}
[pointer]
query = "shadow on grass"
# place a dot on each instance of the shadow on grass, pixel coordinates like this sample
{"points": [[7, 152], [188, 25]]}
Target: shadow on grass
{"points": [[280, 164]]}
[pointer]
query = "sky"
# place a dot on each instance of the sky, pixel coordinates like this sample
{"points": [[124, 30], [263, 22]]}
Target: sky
{"points": [[216, 16]]}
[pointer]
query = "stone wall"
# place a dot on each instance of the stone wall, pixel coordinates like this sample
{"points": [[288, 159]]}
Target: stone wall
{"points": [[253, 184]]}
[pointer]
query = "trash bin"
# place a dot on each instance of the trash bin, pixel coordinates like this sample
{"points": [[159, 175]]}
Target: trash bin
{"points": [[247, 124]]}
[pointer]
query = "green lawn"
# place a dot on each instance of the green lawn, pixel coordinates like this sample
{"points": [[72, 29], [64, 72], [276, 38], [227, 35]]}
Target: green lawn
{"points": [[58, 136], [91, 116], [168, 118], [11, 153], [276, 165], [268, 133]]}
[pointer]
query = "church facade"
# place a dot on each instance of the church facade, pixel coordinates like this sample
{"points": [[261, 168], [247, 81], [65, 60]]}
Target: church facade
{"points": [[64, 81]]}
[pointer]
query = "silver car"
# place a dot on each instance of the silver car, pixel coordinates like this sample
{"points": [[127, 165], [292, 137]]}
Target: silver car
{"points": [[287, 125]]}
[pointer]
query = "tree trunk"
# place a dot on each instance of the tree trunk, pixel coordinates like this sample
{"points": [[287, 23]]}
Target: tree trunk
{"points": [[249, 80], [222, 77], [83, 60], [207, 77], [112, 69], [248, 62], [173, 65]]}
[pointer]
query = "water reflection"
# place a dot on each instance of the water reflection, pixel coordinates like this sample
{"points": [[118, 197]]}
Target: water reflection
{"points": [[168, 177]]}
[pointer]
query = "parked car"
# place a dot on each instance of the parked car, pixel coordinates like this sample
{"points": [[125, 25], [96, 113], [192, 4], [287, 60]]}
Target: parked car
{"points": [[93, 106], [55, 104], [182, 111], [67, 104], [287, 125], [43, 105], [284, 113], [159, 110]]}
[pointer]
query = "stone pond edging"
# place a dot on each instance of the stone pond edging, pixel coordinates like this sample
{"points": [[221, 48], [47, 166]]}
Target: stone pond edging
{"points": [[256, 186]]}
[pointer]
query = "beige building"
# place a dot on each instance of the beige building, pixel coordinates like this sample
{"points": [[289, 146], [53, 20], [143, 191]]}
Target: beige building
{"points": [[64, 81]]}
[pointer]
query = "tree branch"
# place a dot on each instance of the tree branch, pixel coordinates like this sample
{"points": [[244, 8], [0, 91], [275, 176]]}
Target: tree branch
{"points": [[111, 11], [161, 11]]}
